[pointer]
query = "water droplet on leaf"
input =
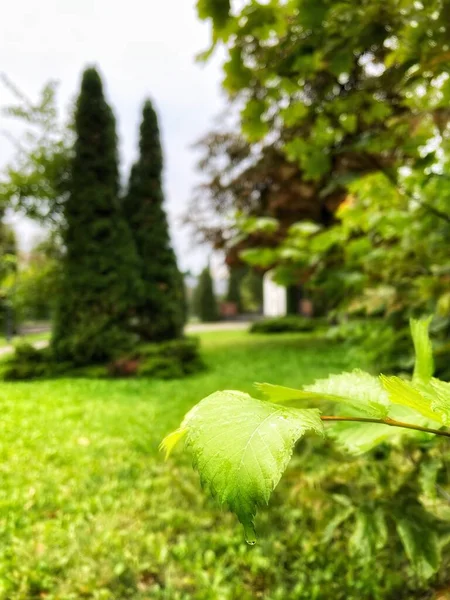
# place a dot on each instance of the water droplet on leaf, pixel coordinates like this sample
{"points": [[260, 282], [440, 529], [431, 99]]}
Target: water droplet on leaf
{"points": [[250, 535]]}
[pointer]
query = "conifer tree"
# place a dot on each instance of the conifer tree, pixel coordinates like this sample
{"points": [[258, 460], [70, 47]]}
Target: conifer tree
{"points": [[8, 265], [252, 291], [234, 286], [100, 274], [160, 307], [204, 301]]}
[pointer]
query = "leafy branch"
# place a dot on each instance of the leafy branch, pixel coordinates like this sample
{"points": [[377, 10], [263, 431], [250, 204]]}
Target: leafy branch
{"points": [[241, 445], [390, 422], [390, 177]]}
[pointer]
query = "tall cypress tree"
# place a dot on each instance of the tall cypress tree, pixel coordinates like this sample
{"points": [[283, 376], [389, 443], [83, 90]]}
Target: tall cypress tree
{"points": [[8, 252], [204, 301], [236, 275], [160, 306], [100, 267]]}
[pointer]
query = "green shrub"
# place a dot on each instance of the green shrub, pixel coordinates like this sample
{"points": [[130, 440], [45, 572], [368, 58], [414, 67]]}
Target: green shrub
{"points": [[166, 360], [286, 324], [376, 342], [386, 346], [161, 367], [170, 360], [26, 363]]}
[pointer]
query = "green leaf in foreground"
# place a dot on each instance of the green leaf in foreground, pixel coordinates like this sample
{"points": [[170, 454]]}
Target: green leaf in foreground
{"points": [[169, 442], [241, 447], [424, 365], [438, 394], [281, 394], [407, 394], [357, 389]]}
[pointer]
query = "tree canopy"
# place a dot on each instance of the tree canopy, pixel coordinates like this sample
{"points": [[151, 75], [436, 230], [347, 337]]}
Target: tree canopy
{"points": [[341, 89], [36, 180], [354, 97]]}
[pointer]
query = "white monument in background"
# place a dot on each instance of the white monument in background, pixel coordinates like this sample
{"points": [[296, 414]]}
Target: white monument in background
{"points": [[275, 297]]}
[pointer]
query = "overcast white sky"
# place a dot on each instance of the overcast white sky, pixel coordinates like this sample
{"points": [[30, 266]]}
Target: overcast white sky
{"points": [[143, 48]]}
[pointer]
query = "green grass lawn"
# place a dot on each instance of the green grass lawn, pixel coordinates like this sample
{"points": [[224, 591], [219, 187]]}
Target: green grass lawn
{"points": [[89, 509]]}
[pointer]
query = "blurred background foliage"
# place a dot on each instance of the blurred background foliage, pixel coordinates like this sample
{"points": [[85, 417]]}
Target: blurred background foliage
{"points": [[335, 172]]}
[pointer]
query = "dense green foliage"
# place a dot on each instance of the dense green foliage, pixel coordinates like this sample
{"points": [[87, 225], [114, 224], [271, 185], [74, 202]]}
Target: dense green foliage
{"points": [[355, 96], [8, 268], [37, 282], [245, 289], [386, 257], [8, 250], [204, 300], [338, 89], [99, 516], [387, 348], [159, 311], [290, 323], [241, 446], [349, 88], [35, 181], [100, 275]]}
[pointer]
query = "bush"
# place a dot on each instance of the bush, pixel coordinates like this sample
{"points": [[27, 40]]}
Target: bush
{"points": [[171, 360], [166, 360], [287, 324], [376, 343], [381, 344], [26, 363]]}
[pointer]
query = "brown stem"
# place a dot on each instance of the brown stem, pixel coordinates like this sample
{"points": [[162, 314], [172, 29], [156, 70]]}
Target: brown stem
{"points": [[387, 421]]}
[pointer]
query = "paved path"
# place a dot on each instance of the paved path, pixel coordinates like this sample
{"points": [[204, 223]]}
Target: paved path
{"points": [[38, 345], [221, 326], [194, 328]]}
